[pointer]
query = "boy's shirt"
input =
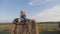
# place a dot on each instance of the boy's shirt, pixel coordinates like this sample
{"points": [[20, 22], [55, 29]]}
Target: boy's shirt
{"points": [[23, 18]]}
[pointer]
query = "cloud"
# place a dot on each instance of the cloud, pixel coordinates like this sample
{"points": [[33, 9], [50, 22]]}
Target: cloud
{"points": [[51, 14], [38, 2]]}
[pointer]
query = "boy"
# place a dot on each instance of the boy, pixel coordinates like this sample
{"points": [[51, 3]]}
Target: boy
{"points": [[23, 17]]}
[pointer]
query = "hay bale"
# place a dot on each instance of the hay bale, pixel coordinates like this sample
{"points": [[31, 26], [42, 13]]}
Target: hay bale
{"points": [[30, 28]]}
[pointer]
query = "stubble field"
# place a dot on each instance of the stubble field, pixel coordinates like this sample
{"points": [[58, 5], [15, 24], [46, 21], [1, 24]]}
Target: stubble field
{"points": [[43, 28]]}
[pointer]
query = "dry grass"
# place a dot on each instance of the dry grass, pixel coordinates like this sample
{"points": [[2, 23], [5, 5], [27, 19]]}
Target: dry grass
{"points": [[4, 29]]}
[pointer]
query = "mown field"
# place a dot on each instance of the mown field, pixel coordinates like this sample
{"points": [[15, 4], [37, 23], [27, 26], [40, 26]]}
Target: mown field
{"points": [[48, 28], [43, 29]]}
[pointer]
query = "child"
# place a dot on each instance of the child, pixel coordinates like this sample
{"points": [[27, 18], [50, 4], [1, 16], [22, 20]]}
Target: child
{"points": [[23, 17]]}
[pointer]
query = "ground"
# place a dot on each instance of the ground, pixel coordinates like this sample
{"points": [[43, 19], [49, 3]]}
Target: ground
{"points": [[43, 28]]}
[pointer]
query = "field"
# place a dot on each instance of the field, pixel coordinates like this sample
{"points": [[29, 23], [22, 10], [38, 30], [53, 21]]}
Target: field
{"points": [[48, 28], [43, 29]]}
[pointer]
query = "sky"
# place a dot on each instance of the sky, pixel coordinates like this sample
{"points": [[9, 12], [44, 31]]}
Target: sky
{"points": [[40, 10]]}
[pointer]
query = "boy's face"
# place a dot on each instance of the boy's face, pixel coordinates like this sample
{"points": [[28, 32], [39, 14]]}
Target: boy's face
{"points": [[23, 13]]}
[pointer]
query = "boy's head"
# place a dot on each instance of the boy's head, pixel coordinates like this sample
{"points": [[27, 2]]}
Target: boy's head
{"points": [[22, 12]]}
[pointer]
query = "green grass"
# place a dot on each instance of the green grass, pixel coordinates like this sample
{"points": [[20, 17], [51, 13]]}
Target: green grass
{"points": [[4, 29], [47, 26]]}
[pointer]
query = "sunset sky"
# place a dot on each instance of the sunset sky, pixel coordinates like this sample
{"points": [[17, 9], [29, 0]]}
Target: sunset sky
{"points": [[40, 10]]}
